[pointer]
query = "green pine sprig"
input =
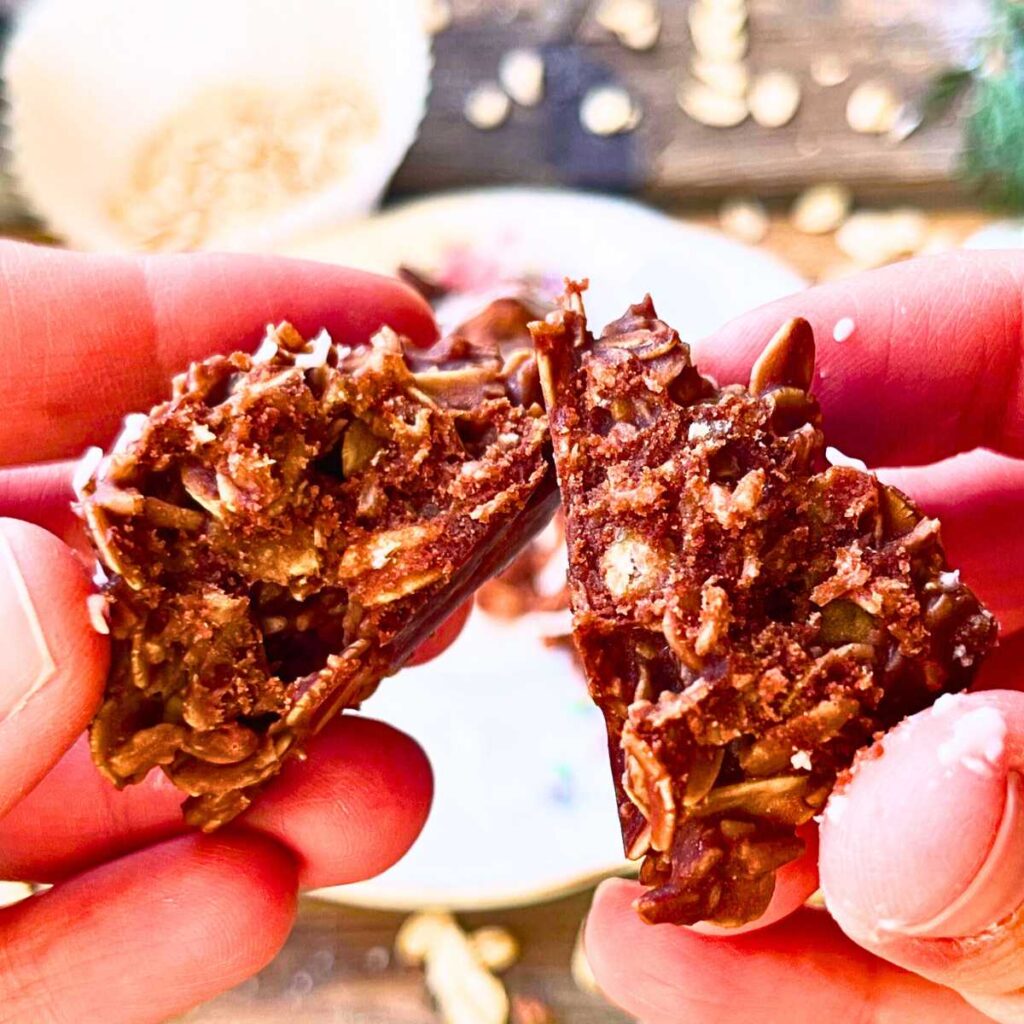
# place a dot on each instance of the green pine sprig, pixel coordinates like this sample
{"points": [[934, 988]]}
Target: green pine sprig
{"points": [[992, 161]]}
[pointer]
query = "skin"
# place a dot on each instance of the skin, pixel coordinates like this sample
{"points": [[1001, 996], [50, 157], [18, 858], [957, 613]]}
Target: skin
{"points": [[922, 854], [146, 918]]}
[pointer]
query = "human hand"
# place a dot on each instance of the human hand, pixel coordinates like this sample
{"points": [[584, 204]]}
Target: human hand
{"points": [[147, 918], [922, 854]]}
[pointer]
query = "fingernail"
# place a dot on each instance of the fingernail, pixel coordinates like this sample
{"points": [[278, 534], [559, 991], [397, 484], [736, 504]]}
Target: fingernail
{"points": [[26, 663], [997, 889], [930, 844]]}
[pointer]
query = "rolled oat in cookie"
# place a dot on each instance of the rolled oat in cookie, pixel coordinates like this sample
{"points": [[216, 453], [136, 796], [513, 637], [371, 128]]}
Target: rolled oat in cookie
{"points": [[747, 616], [286, 530]]}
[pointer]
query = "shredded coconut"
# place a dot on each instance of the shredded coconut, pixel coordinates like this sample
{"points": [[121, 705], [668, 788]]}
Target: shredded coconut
{"points": [[96, 605], [843, 329], [319, 349], [836, 458], [801, 759], [84, 469]]}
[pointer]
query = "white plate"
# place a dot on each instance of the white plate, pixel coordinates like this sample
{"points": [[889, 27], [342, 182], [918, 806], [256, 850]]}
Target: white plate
{"points": [[524, 807], [1003, 234]]}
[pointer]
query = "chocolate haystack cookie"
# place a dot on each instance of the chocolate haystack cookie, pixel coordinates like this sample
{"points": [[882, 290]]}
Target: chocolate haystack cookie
{"points": [[747, 616], [286, 530]]}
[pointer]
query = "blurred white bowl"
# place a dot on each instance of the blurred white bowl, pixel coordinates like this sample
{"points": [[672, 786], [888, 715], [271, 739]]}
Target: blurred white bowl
{"points": [[91, 82]]}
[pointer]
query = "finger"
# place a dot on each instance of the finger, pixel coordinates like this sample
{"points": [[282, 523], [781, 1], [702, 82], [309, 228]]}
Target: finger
{"points": [[86, 338], [934, 366], [42, 494], [52, 661], [801, 971], [979, 497], [147, 937], [347, 812], [922, 854], [442, 637]]}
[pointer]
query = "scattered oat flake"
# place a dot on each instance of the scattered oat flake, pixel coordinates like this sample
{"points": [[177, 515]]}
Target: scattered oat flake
{"points": [[843, 329], [496, 947], [821, 209], [579, 967], [465, 991], [14, 892], [719, 31], [774, 98], [521, 73], [711, 108], [622, 15], [458, 966], [829, 69], [641, 38], [633, 22], [418, 933], [725, 76], [872, 108], [835, 457], [437, 16], [744, 219], [487, 106], [96, 605], [714, 21], [873, 237], [85, 468], [316, 353], [609, 110]]}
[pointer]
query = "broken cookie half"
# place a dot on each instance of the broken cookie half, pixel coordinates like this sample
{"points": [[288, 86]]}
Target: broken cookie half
{"points": [[286, 530], [748, 617]]}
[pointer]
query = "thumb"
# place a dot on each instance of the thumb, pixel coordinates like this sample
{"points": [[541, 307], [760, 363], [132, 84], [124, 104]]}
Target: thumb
{"points": [[52, 661], [922, 852]]}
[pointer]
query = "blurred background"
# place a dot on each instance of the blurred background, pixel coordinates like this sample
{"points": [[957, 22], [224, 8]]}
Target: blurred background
{"points": [[717, 153]]}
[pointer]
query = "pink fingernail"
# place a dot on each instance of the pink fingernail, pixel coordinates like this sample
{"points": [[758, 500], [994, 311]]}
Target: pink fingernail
{"points": [[26, 664], [995, 892]]}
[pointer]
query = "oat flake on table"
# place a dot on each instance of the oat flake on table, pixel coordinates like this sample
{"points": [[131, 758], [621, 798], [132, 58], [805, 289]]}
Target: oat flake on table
{"points": [[774, 98], [609, 110], [711, 108], [487, 106], [821, 208], [521, 74]]}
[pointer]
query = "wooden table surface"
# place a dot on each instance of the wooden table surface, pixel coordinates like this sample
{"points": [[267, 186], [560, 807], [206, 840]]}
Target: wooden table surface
{"points": [[902, 42], [338, 967]]}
